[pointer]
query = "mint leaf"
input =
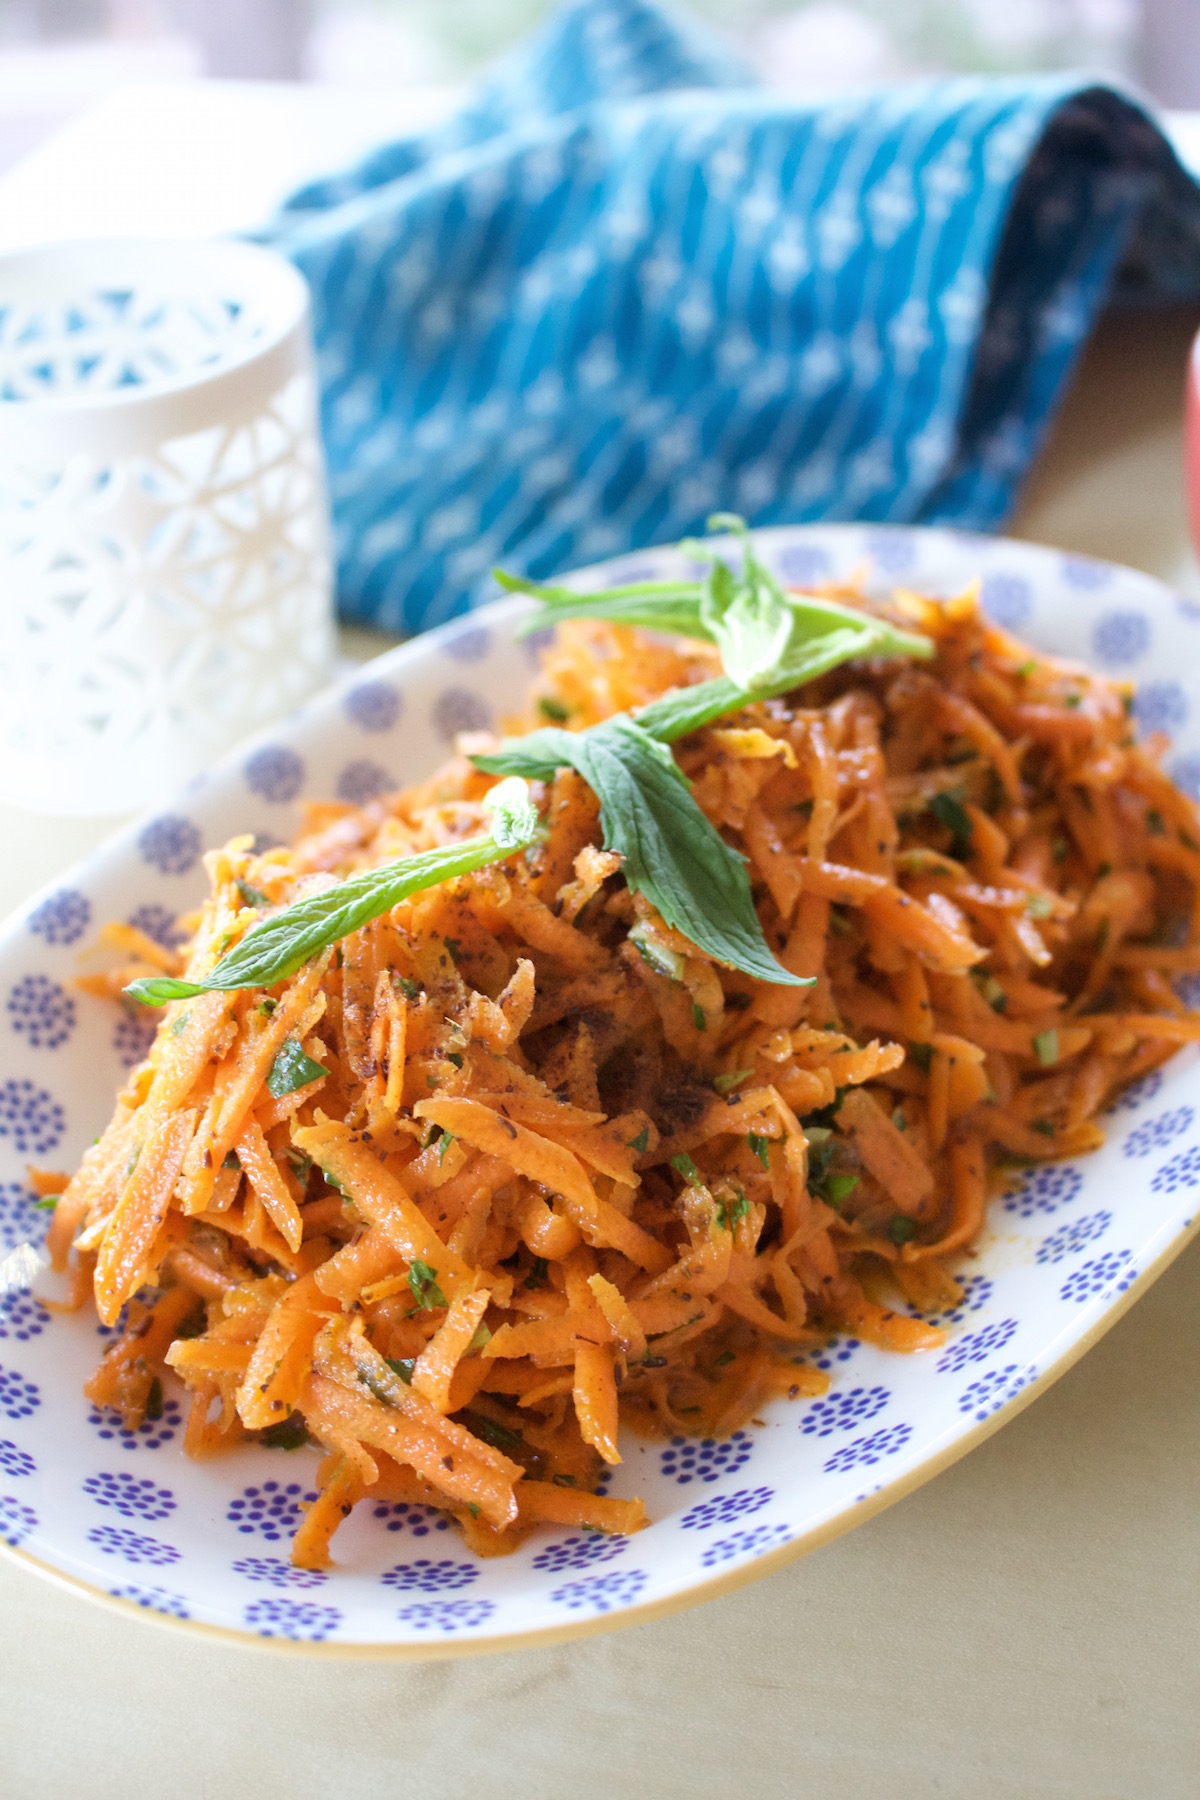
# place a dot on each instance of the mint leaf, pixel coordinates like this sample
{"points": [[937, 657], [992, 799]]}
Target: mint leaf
{"points": [[770, 640], [292, 1069], [671, 852], [515, 822], [749, 619], [276, 947]]}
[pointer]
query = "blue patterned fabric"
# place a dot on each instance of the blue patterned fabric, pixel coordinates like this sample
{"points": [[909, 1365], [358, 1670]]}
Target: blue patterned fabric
{"points": [[626, 288]]}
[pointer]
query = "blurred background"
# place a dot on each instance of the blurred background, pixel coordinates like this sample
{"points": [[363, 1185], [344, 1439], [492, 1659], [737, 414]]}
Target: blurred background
{"points": [[59, 57]]}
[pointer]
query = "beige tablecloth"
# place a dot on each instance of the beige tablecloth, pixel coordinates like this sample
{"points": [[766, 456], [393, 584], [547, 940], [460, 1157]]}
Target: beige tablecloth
{"points": [[1026, 1625]]}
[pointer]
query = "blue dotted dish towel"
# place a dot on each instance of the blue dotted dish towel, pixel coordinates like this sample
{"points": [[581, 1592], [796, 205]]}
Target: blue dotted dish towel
{"points": [[626, 288]]}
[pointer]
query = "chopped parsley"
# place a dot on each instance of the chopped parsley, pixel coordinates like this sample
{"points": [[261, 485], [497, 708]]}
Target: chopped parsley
{"points": [[901, 1230], [500, 1437], [947, 808], [250, 895], [402, 1366], [683, 1165], [267, 1007], [899, 1120], [1043, 1127], [554, 710], [48, 1202], [455, 1058], [289, 1434], [425, 1290], [761, 1147], [536, 1277], [994, 994], [1155, 823], [728, 1216], [657, 956], [1045, 1046], [640, 1142], [408, 987], [698, 1018], [922, 1055], [836, 1188], [299, 1163], [292, 1069], [725, 1084]]}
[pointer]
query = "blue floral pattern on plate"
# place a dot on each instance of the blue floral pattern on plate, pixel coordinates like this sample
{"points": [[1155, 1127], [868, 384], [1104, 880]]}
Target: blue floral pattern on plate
{"points": [[130, 1515], [14, 1460], [41, 1011], [756, 1541], [22, 1221], [22, 1316], [30, 1118], [62, 918]]}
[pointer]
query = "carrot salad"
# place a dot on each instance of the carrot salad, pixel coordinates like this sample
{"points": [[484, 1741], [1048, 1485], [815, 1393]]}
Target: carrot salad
{"points": [[516, 1163]]}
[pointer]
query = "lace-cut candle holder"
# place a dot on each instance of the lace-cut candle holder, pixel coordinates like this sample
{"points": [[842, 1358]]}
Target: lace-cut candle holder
{"points": [[164, 543]]}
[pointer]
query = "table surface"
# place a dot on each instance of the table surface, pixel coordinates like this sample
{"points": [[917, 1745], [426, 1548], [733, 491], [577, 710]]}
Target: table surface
{"points": [[1024, 1626]]}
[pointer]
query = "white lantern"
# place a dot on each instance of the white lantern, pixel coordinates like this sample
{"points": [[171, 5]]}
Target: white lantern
{"points": [[164, 546]]}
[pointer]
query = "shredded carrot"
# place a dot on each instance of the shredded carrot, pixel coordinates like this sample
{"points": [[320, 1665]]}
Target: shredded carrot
{"points": [[546, 1186]]}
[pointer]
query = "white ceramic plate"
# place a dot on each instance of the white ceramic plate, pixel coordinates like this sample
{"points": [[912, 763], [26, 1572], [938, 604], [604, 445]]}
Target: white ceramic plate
{"points": [[129, 1517]]}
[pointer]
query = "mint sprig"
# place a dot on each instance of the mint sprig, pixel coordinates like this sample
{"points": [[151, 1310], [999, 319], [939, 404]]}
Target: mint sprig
{"points": [[672, 853], [770, 640], [276, 947], [770, 643]]}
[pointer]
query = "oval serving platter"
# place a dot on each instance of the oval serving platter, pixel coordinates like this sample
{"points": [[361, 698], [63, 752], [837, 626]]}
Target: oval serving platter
{"points": [[128, 1518]]}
